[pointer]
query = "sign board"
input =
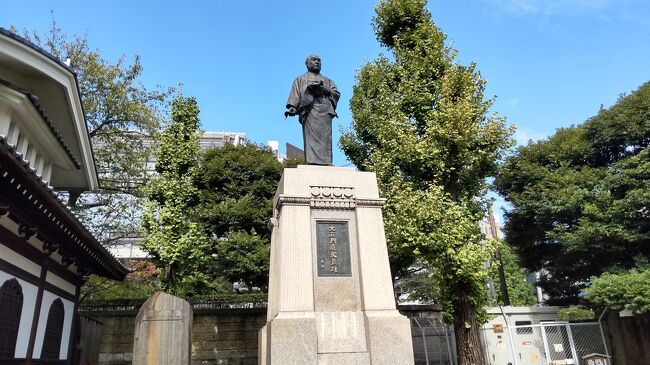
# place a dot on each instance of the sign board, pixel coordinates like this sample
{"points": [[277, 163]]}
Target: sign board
{"points": [[595, 359], [333, 245]]}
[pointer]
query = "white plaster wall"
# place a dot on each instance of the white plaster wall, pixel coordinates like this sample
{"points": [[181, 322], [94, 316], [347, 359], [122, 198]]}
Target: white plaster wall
{"points": [[29, 303], [68, 307], [19, 260], [60, 283]]}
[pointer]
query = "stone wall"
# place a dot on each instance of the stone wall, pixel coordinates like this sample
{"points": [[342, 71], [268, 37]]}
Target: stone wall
{"points": [[224, 337], [228, 338], [116, 343]]}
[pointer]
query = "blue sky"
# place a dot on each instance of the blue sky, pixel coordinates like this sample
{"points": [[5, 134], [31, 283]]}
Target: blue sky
{"points": [[550, 63]]}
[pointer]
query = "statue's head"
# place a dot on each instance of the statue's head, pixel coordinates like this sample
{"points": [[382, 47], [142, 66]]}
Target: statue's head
{"points": [[313, 63]]}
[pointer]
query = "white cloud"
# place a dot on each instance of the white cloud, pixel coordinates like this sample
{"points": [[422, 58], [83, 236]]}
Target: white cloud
{"points": [[553, 7], [512, 103], [523, 136], [547, 12]]}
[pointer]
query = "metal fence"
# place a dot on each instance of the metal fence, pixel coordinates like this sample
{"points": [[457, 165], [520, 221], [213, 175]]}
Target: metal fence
{"points": [[548, 343], [433, 341]]}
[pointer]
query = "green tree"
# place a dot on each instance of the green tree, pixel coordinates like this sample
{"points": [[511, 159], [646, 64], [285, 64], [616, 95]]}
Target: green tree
{"points": [[421, 283], [520, 292], [237, 185], [122, 116], [178, 244], [421, 124], [622, 290], [142, 282], [575, 313], [580, 198]]}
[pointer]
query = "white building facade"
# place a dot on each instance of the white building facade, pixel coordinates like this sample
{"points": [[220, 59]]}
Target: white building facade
{"points": [[45, 253]]}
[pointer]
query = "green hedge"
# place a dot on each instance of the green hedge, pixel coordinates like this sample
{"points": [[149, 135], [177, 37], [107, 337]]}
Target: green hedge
{"points": [[217, 301]]}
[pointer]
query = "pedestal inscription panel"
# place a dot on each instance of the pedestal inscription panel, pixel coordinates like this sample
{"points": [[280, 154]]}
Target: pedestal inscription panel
{"points": [[333, 242]]}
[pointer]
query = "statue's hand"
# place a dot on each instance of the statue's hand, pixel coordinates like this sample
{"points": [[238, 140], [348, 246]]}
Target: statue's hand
{"points": [[326, 91], [291, 111]]}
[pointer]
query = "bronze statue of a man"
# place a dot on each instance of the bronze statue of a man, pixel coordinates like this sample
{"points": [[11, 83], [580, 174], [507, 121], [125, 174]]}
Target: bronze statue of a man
{"points": [[313, 98]]}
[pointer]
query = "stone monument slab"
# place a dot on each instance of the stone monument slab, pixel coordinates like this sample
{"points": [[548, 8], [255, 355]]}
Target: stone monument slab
{"points": [[163, 331]]}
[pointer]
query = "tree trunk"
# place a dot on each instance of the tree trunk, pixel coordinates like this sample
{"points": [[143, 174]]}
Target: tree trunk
{"points": [[73, 197], [170, 275], [466, 327]]}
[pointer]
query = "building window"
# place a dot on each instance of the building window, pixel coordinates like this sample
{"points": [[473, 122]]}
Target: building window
{"points": [[524, 330], [53, 331], [11, 306]]}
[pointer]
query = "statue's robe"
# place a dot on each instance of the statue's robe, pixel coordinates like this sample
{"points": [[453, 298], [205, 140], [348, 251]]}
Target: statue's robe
{"points": [[315, 114]]}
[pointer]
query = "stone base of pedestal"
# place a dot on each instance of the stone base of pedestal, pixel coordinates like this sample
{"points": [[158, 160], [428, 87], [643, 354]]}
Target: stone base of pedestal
{"points": [[330, 290], [389, 338]]}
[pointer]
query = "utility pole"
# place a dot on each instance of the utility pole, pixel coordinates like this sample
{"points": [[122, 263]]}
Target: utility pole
{"points": [[494, 232]]}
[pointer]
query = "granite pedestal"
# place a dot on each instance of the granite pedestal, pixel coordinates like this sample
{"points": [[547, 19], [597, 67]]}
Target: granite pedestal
{"points": [[331, 298]]}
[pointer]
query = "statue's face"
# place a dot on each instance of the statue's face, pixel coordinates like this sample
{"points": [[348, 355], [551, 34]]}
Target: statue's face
{"points": [[313, 64]]}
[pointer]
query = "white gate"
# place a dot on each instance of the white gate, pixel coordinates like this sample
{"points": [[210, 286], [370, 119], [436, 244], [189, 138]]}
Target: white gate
{"points": [[559, 346], [548, 343]]}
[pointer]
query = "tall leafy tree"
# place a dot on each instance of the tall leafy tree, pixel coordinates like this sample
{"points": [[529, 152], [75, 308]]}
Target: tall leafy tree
{"points": [[580, 198], [520, 292], [122, 116], [421, 123], [236, 188], [178, 244]]}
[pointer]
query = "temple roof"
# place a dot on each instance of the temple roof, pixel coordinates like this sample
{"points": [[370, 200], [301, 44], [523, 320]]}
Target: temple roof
{"points": [[33, 204], [52, 88]]}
